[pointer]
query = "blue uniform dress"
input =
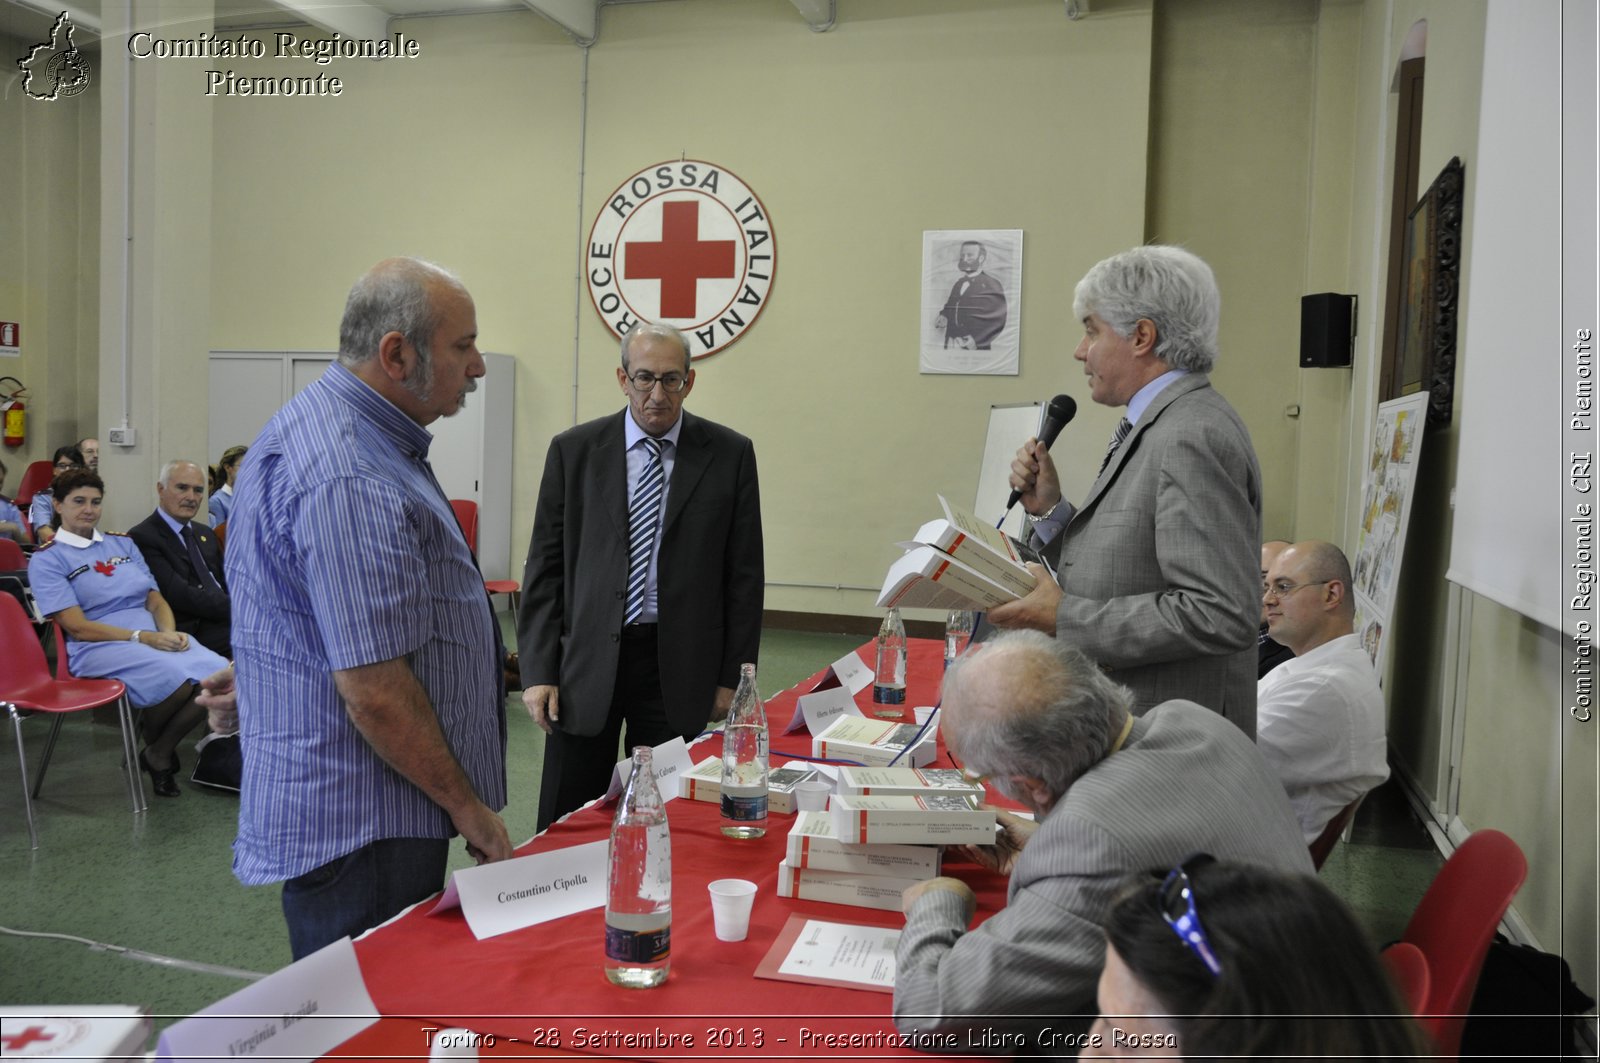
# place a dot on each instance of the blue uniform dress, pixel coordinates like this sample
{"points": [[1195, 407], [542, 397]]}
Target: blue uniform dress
{"points": [[9, 513], [108, 580], [40, 512], [218, 504]]}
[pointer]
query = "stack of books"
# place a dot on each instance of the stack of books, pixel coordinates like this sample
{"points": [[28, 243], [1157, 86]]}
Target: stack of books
{"points": [[867, 849], [704, 783], [957, 562], [876, 743]]}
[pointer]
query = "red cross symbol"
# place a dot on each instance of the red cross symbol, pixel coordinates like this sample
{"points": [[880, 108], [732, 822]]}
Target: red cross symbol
{"points": [[679, 259], [26, 1037]]}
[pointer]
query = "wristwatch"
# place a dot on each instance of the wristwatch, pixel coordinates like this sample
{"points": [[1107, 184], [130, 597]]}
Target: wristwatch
{"points": [[1047, 514], [133, 636]]}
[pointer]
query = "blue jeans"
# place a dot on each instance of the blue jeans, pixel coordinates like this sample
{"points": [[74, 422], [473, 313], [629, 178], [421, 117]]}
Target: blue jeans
{"points": [[361, 889]]}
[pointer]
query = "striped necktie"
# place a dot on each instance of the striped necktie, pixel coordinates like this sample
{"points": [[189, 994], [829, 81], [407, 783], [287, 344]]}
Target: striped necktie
{"points": [[644, 514], [1124, 426]]}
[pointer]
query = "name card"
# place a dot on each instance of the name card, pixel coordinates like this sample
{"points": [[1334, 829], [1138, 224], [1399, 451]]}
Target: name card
{"points": [[853, 672], [511, 894], [816, 711], [669, 760], [302, 1012]]}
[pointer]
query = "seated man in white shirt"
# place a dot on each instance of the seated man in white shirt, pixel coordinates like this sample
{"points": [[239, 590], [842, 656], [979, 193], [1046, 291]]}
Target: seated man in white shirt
{"points": [[1320, 716]]}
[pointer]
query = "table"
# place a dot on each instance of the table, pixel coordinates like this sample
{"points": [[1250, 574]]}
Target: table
{"points": [[544, 985]]}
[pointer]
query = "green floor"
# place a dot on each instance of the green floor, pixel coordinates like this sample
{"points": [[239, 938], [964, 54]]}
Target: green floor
{"points": [[162, 882]]}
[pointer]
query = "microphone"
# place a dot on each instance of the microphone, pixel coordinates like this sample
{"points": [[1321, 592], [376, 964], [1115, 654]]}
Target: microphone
{"points": [[1062, 409]]}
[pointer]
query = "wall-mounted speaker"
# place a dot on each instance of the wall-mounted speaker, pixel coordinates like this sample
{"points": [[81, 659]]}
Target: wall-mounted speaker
{"points": [[1327, 330]]}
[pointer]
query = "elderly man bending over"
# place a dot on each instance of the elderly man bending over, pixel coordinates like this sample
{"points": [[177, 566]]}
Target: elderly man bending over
{"points": [[1114, 796]]}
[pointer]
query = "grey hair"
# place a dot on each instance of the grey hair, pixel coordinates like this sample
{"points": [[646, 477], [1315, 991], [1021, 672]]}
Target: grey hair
{"points": [[1045, 709], [650, 328], [1173, 288], [165, 479], [396, 295]]}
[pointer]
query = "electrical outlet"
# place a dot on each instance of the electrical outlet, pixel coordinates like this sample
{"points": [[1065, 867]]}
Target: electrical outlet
{"points": [[122, 437]]}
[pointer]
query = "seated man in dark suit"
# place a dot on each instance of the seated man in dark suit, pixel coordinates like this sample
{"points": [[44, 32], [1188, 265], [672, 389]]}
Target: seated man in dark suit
{"points": [[185, 558]]}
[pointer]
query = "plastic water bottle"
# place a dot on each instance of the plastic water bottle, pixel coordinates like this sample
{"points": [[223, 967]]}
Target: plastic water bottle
{"points": [[889, 680], [639, 883], [957, 633], [744, 761]]}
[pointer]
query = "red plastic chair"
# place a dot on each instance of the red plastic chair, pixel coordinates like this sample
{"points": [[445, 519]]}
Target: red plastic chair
{"points": [[26, 686], [1338, 827], [1454, 923], [466, 512], [1408, 969], [35, 478], [12, 559]]}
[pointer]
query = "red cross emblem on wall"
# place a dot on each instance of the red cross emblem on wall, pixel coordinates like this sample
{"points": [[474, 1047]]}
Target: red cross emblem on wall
{"points": [[686, 243], [679, 259]]}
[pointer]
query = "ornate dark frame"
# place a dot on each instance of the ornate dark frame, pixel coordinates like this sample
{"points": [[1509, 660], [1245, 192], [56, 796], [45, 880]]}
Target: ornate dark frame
{"points": [[1425, 357]]}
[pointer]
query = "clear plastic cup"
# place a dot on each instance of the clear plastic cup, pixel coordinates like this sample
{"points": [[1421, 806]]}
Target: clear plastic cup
{"points": [[731, 901]]}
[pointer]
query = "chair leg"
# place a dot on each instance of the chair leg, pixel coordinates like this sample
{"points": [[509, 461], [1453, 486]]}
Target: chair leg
{"points": [[49, 748], [130, 758], [22, 765]]}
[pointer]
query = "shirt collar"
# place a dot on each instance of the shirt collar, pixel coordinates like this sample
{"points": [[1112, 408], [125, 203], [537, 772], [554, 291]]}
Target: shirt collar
{"points": [[174, 523], [412, 438], [227, 489], [1146, 395], [67, 538], [632, 433]]}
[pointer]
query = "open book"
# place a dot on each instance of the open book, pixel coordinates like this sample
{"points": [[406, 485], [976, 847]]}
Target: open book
{"points": [[956, 562]]}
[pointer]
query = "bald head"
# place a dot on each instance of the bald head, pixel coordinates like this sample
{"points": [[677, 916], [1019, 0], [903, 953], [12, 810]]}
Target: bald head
{"points": [[1308, 599], [1032, 714]]}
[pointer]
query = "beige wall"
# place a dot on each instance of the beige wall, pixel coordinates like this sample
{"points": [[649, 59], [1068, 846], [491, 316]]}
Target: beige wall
{"points": [[49, 226], [911, 115]]}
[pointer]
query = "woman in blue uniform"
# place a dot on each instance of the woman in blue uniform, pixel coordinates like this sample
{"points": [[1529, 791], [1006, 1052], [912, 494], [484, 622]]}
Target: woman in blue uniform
{"points": [[41, 512], [223, 474], [118, 626]]}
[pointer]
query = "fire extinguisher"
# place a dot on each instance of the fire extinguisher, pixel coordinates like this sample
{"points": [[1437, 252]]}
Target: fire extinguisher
{"points": [[16, 424]]}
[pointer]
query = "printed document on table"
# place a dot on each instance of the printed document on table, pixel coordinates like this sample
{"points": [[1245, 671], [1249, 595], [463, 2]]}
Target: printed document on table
{"points": [[838, 954]]}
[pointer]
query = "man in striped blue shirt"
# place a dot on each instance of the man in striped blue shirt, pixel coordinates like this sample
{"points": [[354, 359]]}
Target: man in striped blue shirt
{"points": [[368, 661]]}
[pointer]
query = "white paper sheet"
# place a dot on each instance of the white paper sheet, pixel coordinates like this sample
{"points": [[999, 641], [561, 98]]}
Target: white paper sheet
{"points": [[816, 711], [863, 954], [669, 760]]}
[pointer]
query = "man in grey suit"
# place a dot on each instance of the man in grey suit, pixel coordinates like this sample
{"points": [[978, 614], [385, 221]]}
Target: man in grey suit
{"points": [[1156, 575], [643, 590], [1114, 797]]}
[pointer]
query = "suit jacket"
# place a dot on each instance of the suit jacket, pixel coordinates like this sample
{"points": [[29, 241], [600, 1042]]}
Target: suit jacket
{"points": [[199, 608], [1184, 781], [710, 578], [979, 313], [1161, 564]]}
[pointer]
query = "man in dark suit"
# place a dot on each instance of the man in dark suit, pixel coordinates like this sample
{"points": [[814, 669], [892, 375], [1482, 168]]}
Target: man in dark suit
{"points": [[185, 558], [1153, 576], [643, 589], [975, 312]]}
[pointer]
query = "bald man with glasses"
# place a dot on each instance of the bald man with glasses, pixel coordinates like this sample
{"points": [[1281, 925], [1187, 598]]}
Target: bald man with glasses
{"points": [[1320, 716], [644, 584]]}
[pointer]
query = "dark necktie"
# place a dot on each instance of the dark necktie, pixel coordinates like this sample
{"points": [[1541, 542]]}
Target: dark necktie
{"points": [[201, 569], [1124, 426], [643, 516]]}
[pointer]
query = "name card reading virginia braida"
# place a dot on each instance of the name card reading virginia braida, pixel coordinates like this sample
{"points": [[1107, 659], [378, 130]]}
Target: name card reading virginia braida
{"points": [[511, 894], [669, 760], [816, 711], [302, 1012]]}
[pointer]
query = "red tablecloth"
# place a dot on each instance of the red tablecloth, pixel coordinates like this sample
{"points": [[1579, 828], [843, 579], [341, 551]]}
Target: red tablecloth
{"points": [[544, 985]]}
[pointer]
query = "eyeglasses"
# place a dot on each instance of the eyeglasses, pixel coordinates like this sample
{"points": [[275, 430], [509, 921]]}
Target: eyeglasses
{"points": [[63, 466], [1283, 588], [1177, 908], [644, 381]]}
